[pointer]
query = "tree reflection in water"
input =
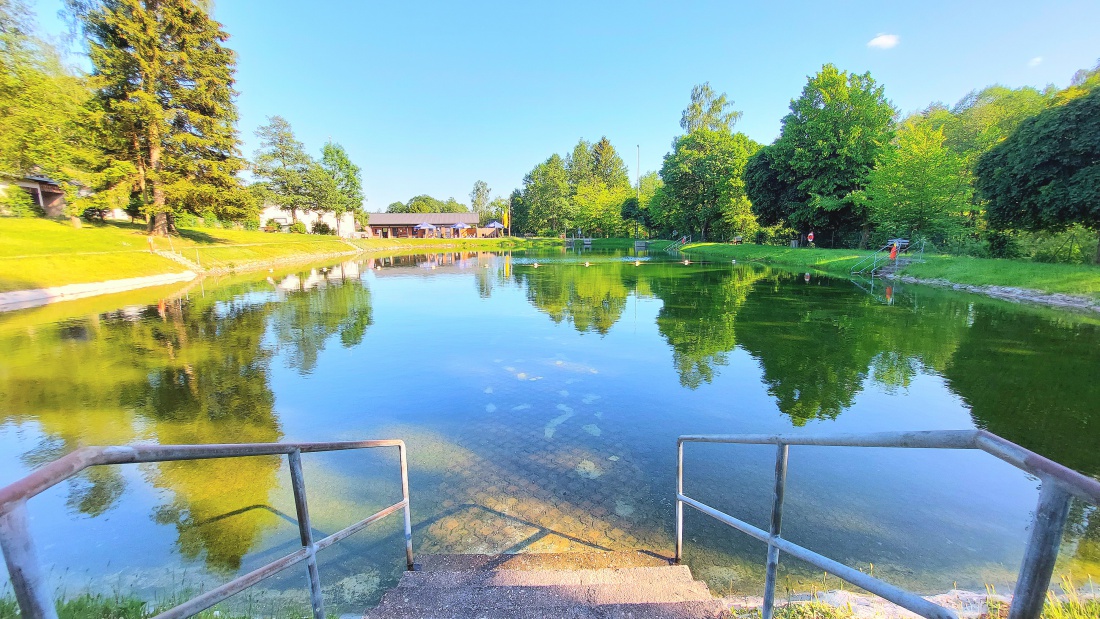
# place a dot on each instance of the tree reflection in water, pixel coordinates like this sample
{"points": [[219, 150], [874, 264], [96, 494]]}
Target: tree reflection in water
{"points": [[191, 370]]}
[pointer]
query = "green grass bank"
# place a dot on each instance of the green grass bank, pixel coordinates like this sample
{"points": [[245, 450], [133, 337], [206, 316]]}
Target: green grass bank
{"points": [[1081, 280], [39, 253]]}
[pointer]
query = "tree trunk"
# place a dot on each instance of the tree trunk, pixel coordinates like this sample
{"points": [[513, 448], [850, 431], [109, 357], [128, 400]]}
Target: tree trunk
{"points": [[159, 222], [865, 236]]}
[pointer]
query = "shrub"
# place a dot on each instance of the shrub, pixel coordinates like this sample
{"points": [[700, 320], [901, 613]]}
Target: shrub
{"points": [[1002, 244], [18, 203], [186, 220], [320, 227], [251, 224], [298, 228], [210, 220]]}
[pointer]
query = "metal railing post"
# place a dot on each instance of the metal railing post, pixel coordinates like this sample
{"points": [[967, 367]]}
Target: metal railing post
{"points": [[1041, 552], [776, 528], [305, 530], [22, 562], [679, 503], [408, 512]]}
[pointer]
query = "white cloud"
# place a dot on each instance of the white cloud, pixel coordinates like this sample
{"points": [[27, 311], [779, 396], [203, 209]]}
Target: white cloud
{"points": [[1034, 62], [884, 41]]}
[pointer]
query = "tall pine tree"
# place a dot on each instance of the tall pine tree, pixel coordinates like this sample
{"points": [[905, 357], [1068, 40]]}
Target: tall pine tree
{"points": [[165, 78]]}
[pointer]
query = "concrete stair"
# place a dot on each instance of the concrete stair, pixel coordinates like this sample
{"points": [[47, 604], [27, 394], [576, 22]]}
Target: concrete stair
{"points": [[596, 585]]}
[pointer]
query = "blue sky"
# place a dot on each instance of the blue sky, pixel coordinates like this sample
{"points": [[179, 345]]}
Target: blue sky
{"points": [[430, 97]]}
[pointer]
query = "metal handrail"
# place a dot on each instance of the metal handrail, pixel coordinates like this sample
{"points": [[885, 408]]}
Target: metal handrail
{"points": [[22, 562], [1057, 485]]}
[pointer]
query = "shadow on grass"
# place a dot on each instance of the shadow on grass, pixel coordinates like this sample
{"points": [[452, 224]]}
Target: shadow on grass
{"points": [[199, 236]]}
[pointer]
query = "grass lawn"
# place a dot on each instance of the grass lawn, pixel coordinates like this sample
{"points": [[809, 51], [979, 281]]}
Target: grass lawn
{"points": [[37, 253], [1054, 278]]}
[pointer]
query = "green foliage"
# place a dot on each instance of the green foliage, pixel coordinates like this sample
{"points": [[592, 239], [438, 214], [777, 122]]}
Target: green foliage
{"points": [[1046, 175], [165, 82], [584, 191], [479, 200], [298, 228], [546, 195], [708, 111], [320, 227], [704, 189], [826, 149], [918, 189], [282, 165], [607, 167], [252, 224], [16, 202], [427, 204], [347, 182]]}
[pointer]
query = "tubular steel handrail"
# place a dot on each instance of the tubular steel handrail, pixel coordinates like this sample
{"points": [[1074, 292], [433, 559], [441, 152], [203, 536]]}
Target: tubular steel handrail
{"points": [[1057, 485], [18, 547]]}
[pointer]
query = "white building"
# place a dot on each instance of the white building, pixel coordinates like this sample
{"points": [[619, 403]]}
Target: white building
{"points": [[271, 212]]}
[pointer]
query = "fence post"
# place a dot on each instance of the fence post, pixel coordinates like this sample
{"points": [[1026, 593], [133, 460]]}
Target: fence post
{"points": [[408, 510], [1041, 552], [679, 503], [305, 530], [26, 578], [775, 529]]}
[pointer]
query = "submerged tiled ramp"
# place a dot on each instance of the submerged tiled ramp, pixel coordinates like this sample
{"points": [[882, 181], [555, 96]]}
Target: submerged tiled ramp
{"points": [[580, 585]]}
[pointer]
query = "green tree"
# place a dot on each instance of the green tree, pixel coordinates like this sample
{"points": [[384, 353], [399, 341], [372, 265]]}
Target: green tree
{"points": [[919, 187], [580, 166], [165, 80], [521, 214], [708, 110], [827, 146], [282, 164], [546, 195], [479, 200], [348, 181], [608, 166], [1046, 175], [704, 184]]}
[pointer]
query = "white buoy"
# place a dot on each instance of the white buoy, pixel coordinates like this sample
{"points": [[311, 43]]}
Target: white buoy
{"points": [[536, 265], [585, 264], [637, 263], [734, 261]]}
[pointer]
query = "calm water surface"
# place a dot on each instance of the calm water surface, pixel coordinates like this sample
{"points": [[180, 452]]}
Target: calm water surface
{"points": [[541, 407]]}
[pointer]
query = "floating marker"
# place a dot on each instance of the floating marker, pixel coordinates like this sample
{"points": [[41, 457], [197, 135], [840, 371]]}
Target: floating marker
{"points": [[637, 263]]}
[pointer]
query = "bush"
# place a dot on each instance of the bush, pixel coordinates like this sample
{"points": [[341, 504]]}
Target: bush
{"points": [[186, 220], [320, 227], [210, 220], [251, 224], [1002, 244], [1076, 245], [298, 228], [18, 203]]}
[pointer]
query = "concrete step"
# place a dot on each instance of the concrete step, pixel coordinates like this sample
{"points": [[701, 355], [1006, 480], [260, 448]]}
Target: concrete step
{"points": [[544, 596], [539, 561], [670, 610], [666, 576]]}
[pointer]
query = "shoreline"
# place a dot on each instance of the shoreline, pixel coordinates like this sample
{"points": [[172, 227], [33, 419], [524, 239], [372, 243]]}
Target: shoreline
{"points": [[14, 300], [837, 263]]}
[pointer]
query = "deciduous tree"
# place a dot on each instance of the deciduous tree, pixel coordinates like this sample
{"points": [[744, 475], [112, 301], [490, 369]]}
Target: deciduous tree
{"points": [[1046, 175], [708, 110]]}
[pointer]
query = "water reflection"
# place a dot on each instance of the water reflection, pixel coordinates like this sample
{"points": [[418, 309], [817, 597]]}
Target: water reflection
{"points": [[186, 370], [537, 423]]}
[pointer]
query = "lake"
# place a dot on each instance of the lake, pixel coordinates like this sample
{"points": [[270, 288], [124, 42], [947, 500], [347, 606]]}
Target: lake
{"points": [[540, 394]]}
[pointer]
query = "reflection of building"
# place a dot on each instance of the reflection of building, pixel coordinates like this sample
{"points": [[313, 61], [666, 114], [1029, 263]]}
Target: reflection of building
{"points": [[404, 225], [450, 262]]}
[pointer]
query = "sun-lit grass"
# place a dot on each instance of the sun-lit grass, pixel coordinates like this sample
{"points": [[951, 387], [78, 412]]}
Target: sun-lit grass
{"points": [[1052, 278], [37, 253]]}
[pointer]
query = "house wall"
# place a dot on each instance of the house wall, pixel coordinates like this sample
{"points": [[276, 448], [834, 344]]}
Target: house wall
{"points": [[347, 222]]}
